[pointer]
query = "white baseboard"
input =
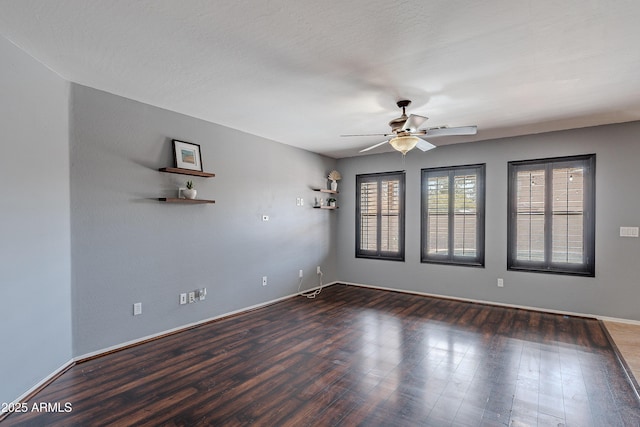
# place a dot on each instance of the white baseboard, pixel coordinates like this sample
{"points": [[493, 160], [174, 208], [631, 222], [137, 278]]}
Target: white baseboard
{"points": [[477, 301]]}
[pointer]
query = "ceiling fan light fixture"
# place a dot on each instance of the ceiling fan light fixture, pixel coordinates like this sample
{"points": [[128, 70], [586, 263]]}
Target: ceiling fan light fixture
{"points": [[404, 144]]}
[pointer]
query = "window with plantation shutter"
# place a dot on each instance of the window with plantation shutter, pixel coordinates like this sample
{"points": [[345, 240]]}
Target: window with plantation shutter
{"points": [[551, 224], [380, 216], [453, 215]]}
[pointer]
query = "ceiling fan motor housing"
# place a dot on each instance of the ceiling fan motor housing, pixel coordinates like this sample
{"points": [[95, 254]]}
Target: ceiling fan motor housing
{"points": [[396, 124]]}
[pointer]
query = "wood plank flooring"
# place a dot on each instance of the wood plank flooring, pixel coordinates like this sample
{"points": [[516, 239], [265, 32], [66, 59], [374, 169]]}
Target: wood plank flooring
{"points": [[355, 356]]}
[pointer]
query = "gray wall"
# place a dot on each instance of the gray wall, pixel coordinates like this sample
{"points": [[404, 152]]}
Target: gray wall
{"points": [[614, 292], [35, 310], [128, 247]]}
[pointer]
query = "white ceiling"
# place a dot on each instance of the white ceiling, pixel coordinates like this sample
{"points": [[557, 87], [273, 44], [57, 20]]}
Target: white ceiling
{"points": [[303, 72]]}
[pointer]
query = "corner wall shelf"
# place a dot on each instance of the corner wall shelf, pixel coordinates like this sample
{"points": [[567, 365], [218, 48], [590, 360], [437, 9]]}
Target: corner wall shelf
{"points": [[322, 206], [187, 172], [186, 201]]}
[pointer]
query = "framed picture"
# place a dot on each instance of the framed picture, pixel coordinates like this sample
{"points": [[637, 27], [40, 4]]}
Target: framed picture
{"points": [[187, 155]]}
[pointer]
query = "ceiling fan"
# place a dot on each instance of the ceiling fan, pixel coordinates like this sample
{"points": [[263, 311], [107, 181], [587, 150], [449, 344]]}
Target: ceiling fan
{"points": [[406, 136]]}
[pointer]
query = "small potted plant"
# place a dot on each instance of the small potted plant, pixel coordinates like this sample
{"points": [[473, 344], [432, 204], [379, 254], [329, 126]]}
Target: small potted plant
{"points": [[190, 192], [332, 202]]}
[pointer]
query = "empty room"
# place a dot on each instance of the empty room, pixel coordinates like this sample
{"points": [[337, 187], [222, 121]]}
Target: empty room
{"points": [[282, 213]]}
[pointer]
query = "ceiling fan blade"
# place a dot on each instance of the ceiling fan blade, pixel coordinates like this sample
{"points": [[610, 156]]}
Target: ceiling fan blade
{"points": [[413, 122], [461, 130], [371, 134], [425, 145], [373, 146]]}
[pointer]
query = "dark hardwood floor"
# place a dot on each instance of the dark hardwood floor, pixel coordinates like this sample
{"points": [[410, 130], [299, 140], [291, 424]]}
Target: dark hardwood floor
{"points": [[355, 356]]}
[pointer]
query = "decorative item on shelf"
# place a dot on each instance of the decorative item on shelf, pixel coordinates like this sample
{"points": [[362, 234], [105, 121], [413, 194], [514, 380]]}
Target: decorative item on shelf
{"points": [[190, 192], [187, 155], [334, 176], [331, 202]]}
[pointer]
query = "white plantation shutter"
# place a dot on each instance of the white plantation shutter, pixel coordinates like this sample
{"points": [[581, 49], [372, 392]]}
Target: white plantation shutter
{"points": [[380, 216], [531, 215], [551, 215], [453, 215], [390, 216], [369, 216], [465, 214], [567, 234], [438, 215]]}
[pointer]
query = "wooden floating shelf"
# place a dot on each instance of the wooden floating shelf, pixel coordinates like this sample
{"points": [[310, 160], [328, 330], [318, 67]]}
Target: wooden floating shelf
{"points": [[187, 172], [326, 207], [186, 201], [322, 190]]}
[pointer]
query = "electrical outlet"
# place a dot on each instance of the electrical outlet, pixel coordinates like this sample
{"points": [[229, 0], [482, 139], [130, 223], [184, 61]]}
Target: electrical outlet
{"points": [[301, 201], [202, 294], [264, 280], [318, 270], [137, 308], [300, 274], [183, 299], [192, 297], [501, 283]]}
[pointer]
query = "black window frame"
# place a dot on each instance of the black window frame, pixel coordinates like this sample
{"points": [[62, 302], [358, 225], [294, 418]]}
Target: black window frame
{"points": [[451, 258], [378, 253], [587, 268]]}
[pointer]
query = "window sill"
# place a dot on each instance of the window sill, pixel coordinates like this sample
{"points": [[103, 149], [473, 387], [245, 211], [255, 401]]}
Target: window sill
{"points": [[455, 263], [553, 271], [381, 258]]}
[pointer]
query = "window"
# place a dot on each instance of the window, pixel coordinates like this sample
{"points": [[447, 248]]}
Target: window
{"points": [[380, 216], [453, 215], [551, 223]]}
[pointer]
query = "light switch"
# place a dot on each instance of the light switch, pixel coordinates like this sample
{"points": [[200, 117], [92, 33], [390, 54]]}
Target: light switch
{"points": [[628, 231]]}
